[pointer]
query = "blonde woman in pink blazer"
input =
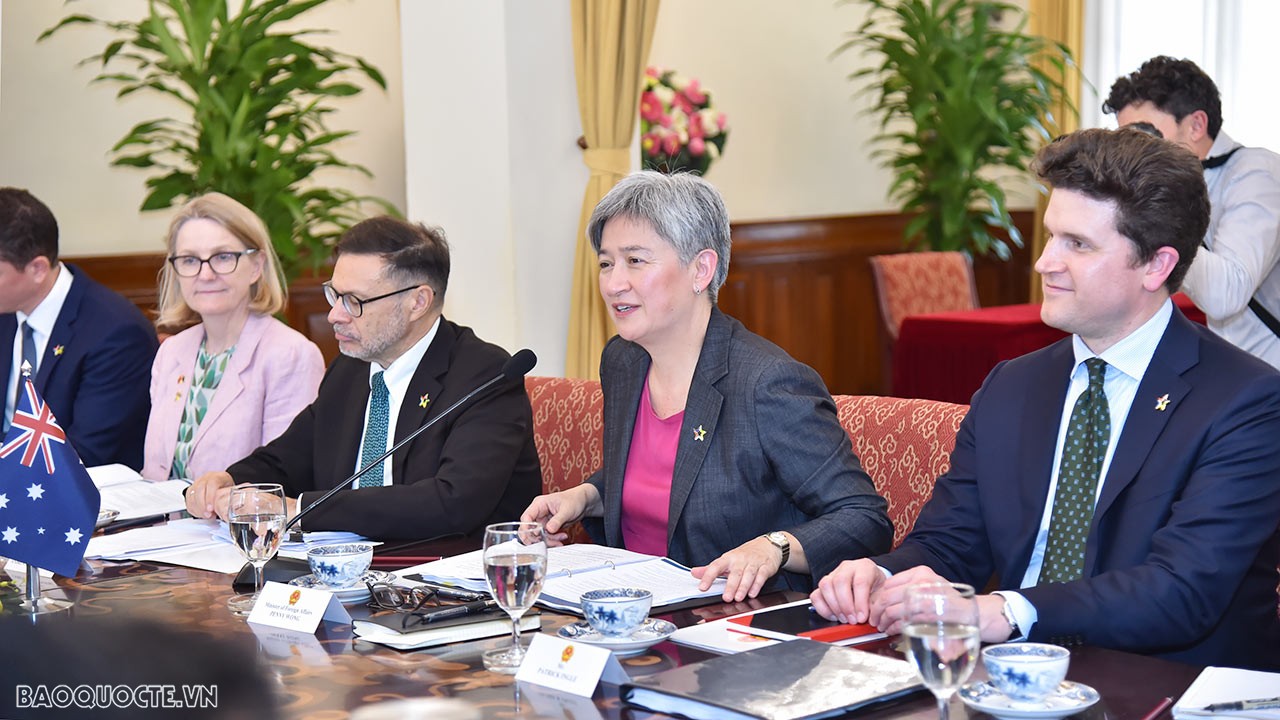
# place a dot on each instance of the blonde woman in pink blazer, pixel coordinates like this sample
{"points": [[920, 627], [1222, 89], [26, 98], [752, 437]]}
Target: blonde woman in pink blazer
{"points": [[236, 379]]}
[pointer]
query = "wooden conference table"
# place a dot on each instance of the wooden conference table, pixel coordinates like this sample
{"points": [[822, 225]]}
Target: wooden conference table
{"points": [[946, 356], [329, 674]]}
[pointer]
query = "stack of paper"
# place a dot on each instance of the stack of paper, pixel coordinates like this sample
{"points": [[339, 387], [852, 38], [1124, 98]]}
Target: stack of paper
{"points": [[123, 489], [1226, 685], [575, 569], [188, 542], [298, 548], [203, 544]]}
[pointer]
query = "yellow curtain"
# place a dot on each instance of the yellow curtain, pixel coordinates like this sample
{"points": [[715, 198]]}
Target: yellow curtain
{"points": [[1059, 21], [610, 48]]}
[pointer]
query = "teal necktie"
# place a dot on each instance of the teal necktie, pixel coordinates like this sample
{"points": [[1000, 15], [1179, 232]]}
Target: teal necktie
{"points": [[28, 354], [375, 432], [1088, 434]]}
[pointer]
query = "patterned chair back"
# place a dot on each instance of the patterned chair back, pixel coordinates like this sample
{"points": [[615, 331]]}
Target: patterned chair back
{"points": [[904, 445], [568, 422], [922, 282]]}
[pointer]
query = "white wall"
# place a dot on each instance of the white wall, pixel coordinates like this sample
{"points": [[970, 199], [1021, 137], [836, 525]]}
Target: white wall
{"points": [[799, 142], [56, 128], [477, 132], [491, 118]]}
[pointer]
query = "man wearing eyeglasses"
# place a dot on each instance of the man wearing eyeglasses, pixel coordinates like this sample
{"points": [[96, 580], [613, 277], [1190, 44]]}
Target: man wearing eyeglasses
{"points": [[89, 349], [402, 364]]}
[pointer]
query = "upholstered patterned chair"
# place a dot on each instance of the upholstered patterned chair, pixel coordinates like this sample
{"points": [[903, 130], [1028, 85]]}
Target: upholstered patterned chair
{"points": [[568, 418], [922, 282], [904, 445]]}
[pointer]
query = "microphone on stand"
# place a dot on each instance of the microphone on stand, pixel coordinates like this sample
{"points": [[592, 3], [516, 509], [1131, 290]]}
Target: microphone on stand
{"points": [[515, 368]]}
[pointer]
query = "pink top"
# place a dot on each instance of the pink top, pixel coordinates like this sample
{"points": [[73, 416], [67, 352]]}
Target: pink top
{"points": [[646, 484]]}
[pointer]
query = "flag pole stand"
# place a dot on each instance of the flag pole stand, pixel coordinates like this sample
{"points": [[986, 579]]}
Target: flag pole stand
{"points": [[38, 604]]}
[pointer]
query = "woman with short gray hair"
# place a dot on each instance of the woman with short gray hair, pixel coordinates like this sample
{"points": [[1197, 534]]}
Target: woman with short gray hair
{"points": [[720, 450]]}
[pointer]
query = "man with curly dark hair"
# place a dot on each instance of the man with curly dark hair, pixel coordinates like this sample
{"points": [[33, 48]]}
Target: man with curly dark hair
{"points": [[1235, 278]]}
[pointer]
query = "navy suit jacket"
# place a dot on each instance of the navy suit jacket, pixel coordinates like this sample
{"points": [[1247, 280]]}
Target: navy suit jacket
{"points": [[96, 371], [1181, 557], [475, 467], [773, 456]]}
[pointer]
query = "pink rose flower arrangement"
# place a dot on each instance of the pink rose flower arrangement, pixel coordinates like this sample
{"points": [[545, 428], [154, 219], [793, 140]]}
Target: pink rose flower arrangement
{"points": [[679, 130]]}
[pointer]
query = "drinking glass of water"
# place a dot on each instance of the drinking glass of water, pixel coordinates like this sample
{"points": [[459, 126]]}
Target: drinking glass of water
{"points": [[256, 516], [941, 629], [515, 563]]}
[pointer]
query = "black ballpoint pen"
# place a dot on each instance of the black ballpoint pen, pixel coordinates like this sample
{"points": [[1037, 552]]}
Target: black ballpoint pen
{"points": [[1258, 704], [458, 610]]}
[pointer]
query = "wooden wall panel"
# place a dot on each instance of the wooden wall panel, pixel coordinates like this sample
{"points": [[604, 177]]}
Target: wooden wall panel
{"points": [[805, 284], [134, 276]]}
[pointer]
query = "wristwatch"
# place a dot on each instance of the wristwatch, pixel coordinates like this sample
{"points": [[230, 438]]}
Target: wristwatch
{"points": [[1007, 611], [781, 542]]}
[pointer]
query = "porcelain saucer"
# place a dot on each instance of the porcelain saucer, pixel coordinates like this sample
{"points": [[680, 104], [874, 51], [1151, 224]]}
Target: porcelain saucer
{"points": [[1069, 699], [106, 517], [355, 594], [646, 636]]}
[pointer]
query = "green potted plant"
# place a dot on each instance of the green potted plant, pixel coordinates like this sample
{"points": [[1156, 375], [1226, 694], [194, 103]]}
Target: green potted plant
{"points": [[255, 99], [962, 105]]}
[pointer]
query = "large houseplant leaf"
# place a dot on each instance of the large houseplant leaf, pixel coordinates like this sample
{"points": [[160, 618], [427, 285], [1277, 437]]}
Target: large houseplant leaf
{"points": [[256, 101], [960, 105]]}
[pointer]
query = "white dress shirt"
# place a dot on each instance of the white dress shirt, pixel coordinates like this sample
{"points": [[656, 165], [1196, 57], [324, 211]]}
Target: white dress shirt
{"points": [[397, 376], [1243, 249], [42, 319]]}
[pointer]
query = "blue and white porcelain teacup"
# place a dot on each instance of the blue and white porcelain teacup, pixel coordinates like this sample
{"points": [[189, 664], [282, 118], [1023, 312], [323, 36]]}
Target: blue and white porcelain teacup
{"points": [[616, 612], [340, 566], [1026, 673]]}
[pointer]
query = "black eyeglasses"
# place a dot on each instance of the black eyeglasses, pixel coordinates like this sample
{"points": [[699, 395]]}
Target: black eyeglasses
{"points": [[391, 597], [222, 263], [354, 305]]}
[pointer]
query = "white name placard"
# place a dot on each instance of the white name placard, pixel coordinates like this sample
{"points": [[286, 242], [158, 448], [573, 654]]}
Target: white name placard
{"points": [[567, 666], [294, 608]]}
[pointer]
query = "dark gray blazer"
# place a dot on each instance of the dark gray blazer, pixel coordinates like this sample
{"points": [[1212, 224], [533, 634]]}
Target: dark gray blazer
{"points": [[773, 456]]}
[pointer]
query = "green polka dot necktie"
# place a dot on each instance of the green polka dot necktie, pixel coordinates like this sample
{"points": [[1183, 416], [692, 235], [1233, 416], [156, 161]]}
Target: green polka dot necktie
{"points": [[375, 432], [1088, 433]]}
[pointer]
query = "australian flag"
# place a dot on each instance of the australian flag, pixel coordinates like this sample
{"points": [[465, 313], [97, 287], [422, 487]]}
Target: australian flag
{"points": [[48, 504]]}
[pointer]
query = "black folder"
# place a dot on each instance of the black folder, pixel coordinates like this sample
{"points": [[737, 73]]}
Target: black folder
{"points": [[796, 680]]}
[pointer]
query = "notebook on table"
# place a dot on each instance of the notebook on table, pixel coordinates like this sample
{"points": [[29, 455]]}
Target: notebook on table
{"points": [[1225, 685], [795, 680]]}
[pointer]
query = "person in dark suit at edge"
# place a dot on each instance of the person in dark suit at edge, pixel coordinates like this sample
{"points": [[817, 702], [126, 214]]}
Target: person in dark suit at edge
{"points": [[90, 349], [720, 450], [1121, 484], [402, 364]]}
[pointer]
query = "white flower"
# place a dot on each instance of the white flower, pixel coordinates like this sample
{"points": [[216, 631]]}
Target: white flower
{"points": [[665, 95], [710, 128], [713, 152]]}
